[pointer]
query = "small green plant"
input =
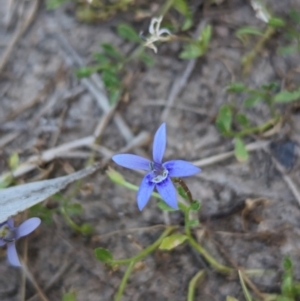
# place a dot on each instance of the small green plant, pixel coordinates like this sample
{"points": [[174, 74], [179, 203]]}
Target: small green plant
{"points": [[66, 209], [291, 33], [290, 289], [273, 24], [235, 123]]}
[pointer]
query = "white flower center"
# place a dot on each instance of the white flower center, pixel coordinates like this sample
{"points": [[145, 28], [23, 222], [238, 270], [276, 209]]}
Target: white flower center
{"points": [[158, 172]]}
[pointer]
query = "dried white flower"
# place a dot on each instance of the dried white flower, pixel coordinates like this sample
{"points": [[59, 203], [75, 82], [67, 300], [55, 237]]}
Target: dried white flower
{"points": [[157, 34], [260, 11]]}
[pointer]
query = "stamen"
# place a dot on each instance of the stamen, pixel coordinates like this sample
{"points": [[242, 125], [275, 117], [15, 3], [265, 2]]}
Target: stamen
{"points": [[159, 173]]}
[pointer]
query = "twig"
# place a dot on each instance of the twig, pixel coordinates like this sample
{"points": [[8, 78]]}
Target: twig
{"points": [[18, 34], [181, 81], [34, 283], [8, 138], [221, 157], [96, 88], [54, 278], [287, 179], [163, 103], [49, 155]]}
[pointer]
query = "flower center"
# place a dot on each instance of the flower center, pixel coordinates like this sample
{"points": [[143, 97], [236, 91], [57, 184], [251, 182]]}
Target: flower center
{"points": [[159, 173], [6, 233]]}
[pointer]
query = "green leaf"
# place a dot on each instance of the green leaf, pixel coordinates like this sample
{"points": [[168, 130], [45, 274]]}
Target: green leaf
{"points": [[287, 263], [272, 86], [127, 32], [283, 298], [146, 59], [242, 119], [103, 255], [181, 6], [52, 4], [114, 96], [172, 241], [188, 22], [44, 213], [110, 79], [191, 51], [163, 206], [86, 229], [224, 119], [244, 287], [205, 36], [70, 296], [287, 50], [85, 72], [229, 298], [13, 161], [111, 51], [252, 101], [192, 223], [240, 150], [276, 22], [247, 30], [195, 206], [295, 15], [182, 193], [236, 87], [101, 58], [73, 209], [287, 96]]}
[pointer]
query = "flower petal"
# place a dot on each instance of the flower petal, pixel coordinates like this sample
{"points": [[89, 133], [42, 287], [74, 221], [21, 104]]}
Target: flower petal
{"points": [[10, 223], [168, 192], [27, 227], [132, 161], [12, 255], [144, 192], [180, 168], [2, 242], [164, 30], [159, 143]]}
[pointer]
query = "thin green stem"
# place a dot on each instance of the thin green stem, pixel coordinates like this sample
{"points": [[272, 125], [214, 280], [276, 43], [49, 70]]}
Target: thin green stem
{"points": [[146, 251], [71, 223], [124, 281], [248, 58], [219, 267], [255, 129], [168, 4], [192, 285]]}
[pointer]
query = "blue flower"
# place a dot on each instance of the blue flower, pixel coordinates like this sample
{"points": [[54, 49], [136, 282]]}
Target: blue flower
{"points": [[159, 174], [9, 234]]}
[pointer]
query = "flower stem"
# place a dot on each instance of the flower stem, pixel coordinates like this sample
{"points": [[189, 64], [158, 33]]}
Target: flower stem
{"points": [[71, 223], [219, 267], [146, 251], [192, 285], [248, 58], [123, 283], [185, 188]]}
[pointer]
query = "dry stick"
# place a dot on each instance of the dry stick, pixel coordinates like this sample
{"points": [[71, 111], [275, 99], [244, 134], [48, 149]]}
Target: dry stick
{"points": [[181, 81], [234, 264], [95, 87], [34, 283], [49, 155], [287, 179], [221, 157], [8, 138], [163, 103], [18, 34], [54, 278]]}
